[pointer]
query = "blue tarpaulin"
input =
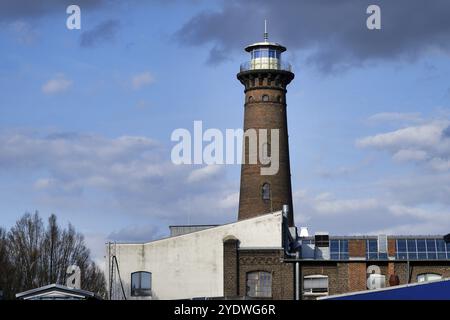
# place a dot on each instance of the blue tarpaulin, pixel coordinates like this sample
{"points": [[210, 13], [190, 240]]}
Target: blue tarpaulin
{"points": [[433, 290]]}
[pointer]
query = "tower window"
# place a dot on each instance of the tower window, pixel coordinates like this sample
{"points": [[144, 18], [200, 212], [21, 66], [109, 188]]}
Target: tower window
{"points": [[256, 54], [259, 284], [265, 191], [141, 284], [265, 98], [279, 98], [264, 53], [250, 99]]}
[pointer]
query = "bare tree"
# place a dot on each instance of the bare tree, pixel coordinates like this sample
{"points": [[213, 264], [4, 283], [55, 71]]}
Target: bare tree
{"points": [[24, 243], [40, 255], [5, 266]]}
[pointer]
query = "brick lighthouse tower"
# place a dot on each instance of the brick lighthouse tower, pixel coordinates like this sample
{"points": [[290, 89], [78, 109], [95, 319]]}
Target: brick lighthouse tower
{"points": [[265, 78]]}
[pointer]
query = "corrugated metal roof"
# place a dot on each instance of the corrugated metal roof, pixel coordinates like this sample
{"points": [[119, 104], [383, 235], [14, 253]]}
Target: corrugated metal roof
{"points": [[29, 294]]}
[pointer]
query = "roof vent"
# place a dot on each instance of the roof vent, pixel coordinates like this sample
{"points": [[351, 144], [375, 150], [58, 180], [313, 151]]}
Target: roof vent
{"points": [[447, 238], [304, 232], [322, 246], [382, 243], [322, 239]]}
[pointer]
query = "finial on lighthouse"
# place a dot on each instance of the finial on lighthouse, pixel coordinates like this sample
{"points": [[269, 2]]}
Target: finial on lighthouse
{"points": [[266, 35]]}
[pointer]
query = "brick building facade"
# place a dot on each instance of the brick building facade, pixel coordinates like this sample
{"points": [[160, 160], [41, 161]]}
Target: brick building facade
{"points": [[343, 272], [238, 263]]}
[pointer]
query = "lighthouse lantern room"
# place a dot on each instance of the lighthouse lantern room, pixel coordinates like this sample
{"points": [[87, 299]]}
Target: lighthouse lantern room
{"points": [[265, 55]]}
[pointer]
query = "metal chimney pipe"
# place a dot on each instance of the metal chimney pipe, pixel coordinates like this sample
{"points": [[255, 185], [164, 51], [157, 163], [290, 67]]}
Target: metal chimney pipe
{"points": [[285, 210]]}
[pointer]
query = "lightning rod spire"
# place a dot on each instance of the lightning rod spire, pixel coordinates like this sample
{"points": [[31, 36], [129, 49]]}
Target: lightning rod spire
{"points": [[266, 35]]}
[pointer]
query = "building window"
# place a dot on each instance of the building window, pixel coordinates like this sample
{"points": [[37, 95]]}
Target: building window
{"points": [[422, 249], [278, 98], [141, 284], [265, 98], [259, 284], [315, 285], [339, 249], [250, 99], [265, 190], [428, 277], [373, 252]]}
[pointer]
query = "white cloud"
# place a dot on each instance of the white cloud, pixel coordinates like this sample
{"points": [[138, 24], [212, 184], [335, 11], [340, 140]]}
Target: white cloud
{"points": [[24, 32], [386, 212], [345, 206], [417, 136], [141, 79], [207, 172], [96, 243], [404, 155], [56, 85], [427, 144], [325, 203], [440, 164], [43, 183], [131, 175], [230, 201], [417, 212], [415, 201], [385, 117]]}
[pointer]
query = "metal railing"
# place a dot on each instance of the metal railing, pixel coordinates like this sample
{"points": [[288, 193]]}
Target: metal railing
{"points": [[265, 64]]}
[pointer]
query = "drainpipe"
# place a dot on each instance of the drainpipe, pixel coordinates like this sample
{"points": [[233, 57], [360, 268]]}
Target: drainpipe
{"points": [[285, 212], [297, 278], [408, 280]]}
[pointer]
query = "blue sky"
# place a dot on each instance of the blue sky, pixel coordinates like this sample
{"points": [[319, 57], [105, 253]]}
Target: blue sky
{"points": [[85, 126]]}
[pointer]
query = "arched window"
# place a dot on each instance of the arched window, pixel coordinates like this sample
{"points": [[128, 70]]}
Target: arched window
{"points": [[141, 284], [259, 284], [278, 98], [265, 191], [265, 98], [315, 285], [250, 99], [428, 277]]}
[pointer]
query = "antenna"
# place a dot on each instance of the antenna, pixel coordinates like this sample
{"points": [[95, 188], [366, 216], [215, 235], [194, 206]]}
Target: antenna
{"points": [[266, 35]]}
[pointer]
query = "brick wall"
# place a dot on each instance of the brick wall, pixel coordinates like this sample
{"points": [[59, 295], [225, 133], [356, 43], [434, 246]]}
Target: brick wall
{"points": [[238, 262], [357, 248], [269, 261], [332, 270], [419, 267], [271, 114], [230, 267], [391, 247], [357, 276]]}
